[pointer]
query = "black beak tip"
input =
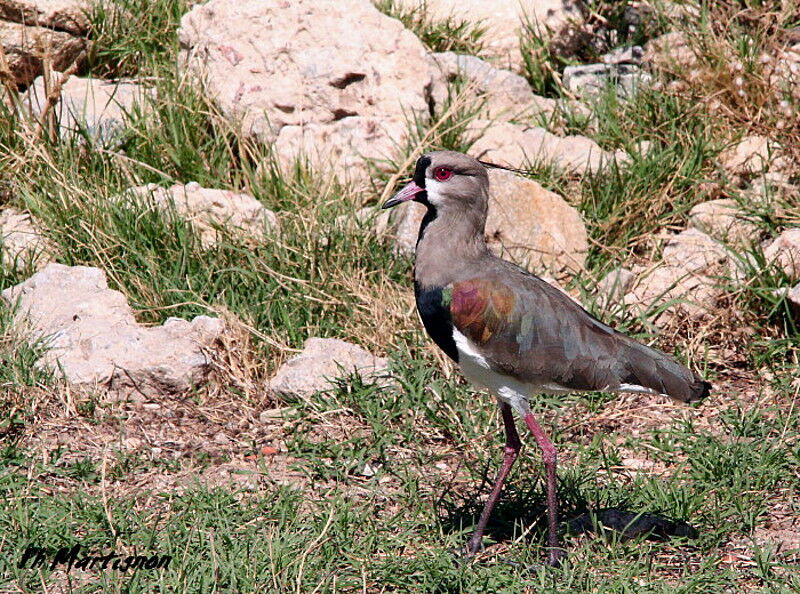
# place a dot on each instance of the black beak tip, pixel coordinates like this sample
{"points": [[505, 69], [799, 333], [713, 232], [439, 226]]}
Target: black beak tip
{"points": [[390, 203]]}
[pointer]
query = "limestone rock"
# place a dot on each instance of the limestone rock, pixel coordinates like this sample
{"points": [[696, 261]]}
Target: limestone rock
{"points": [[750, 155], [613, 286], [695, 251], [98, 108], [670, 291], [527, 225], [332, 81], [794, 297], [26, 49], [506, 95], [590, 80], [534, 227], [686, 283], [512, 145], [724, 220], [322, 361], [21, 241], [671, 52], [785, 252], [210, 210], [95, 341], [70, 16], [503, 21]]}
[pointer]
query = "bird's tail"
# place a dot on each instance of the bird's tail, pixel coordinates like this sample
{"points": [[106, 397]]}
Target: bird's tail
{"points": [[653, 369]]}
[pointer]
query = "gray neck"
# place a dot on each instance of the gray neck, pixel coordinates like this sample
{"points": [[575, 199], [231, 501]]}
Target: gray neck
{"points": [[450, 246]]}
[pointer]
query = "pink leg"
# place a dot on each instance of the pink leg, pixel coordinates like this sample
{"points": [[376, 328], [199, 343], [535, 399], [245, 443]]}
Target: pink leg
{"points": [[549, 458], [510, 452]]}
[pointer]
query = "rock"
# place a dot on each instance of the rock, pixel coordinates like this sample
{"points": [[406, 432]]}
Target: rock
{"points": [[26, 49], [793, 296], [94, 340], [671, 291], [527, 225], [321, 362], [694, 251], [97, 108], [671, 52], [507, 95], [342, 147], [534, 227], [335, 82], [613, 286], [724, 221], [22, 242], [630, 54], [212, 213], [771, 191], [512, 145], [503, 21], [685, 283], [785, 252], [750, 155], [70, 16], [591, 80]]}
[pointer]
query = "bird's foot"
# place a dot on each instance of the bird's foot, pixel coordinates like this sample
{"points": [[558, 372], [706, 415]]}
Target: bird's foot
{"points": [[465, 554], [554, 558]]}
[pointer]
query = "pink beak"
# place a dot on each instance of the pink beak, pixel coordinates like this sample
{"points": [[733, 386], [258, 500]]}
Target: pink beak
{"points": [[404, 195]]}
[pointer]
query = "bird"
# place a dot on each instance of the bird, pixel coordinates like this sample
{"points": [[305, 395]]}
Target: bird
{"points": [[511, 332]]}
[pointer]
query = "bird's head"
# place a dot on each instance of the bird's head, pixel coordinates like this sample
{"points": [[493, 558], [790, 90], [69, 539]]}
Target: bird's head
{"points": [[446, 180]]}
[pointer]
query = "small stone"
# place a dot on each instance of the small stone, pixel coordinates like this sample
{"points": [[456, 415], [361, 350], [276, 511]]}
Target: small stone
{"points": [[322, 361], [221, 438], [21, 241], [793, 296], [614, 285], [785, 252], [591, 80], [269, 451], [750, 155], [694, 251], [725, 221]]}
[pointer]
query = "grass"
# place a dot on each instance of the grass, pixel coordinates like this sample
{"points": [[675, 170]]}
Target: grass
{"points": [[373, 487]]}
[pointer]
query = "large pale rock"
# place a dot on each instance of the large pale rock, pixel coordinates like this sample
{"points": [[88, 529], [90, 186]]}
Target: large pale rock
{"points": [[62, 15], [21, 241], [724, 220], [752, 154], [26, 49], [211, 212], [322, 361], [503, 21], [95, 341], [785, 252], [516, 146], [533, 226], [505, 95], [97, 108], [309, 75], [527, 224]]}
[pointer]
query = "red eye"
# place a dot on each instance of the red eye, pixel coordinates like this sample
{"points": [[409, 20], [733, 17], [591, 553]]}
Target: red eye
{"points": [[442, 173]]}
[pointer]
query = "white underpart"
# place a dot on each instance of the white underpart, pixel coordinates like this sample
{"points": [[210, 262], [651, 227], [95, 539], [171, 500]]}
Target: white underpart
{"points": [[477, 370], [433, 189]]}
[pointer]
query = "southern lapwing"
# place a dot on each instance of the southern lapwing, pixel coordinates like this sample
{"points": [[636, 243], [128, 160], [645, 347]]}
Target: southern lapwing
{"points": [[510, 331]]}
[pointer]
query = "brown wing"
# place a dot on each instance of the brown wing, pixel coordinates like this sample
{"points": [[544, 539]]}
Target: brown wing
{"points": [[529, 330]]}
